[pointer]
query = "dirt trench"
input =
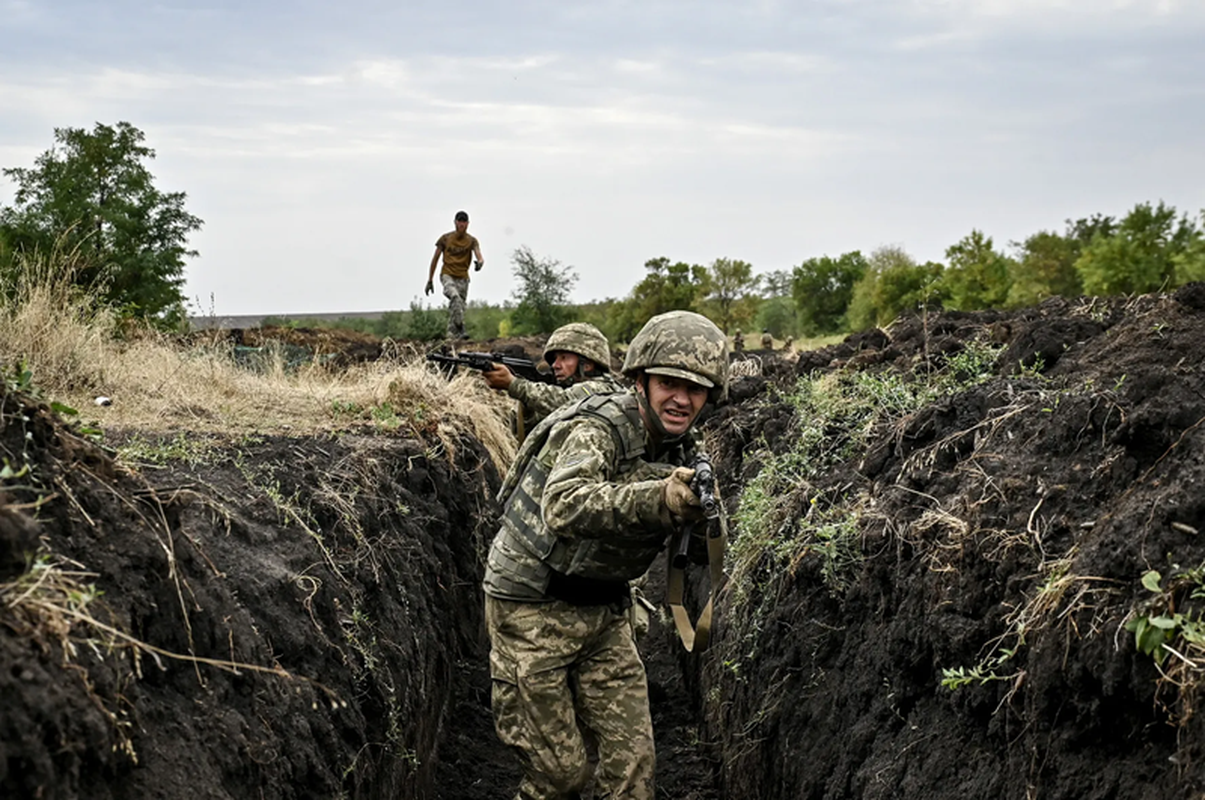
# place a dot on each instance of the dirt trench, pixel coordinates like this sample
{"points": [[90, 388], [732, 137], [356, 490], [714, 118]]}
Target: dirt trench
{"points": [[260, 617], [280, 618], [286, 617]]}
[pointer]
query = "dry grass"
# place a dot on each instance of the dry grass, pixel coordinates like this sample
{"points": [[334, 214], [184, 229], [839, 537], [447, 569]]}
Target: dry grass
{"points": [[76, 353]]}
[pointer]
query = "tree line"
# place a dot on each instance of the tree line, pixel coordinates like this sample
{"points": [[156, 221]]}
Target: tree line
{"points": [[92, 200], [1152, 248]]}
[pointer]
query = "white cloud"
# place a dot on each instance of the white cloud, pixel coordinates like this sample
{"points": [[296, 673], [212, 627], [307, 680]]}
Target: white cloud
{"points": [[771, 62], [633, 66], [1060, 12]]}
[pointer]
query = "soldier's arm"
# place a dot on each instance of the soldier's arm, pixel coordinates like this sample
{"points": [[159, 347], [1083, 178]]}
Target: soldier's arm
{"points": [[544, 398], [541, 399], [434, 263], [582, 499]]}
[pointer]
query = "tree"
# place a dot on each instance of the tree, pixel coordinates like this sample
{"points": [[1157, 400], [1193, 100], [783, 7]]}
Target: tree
{"points": [[542, 293], [977, 276], [777, 283], [91, 194], [731, 292], [1088, 228], [893, 285], [822, 289], [1190, 264], [1045, 267], [778, 316], [1141, 255], [666, 287]]}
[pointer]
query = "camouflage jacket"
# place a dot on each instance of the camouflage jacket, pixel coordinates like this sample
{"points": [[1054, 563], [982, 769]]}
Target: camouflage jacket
{"points": [[583, 500], [541, 399]]}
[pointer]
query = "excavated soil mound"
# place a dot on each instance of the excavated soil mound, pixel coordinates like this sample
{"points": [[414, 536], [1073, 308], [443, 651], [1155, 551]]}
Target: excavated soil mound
{"points": [[272, 618], [978, 647]]}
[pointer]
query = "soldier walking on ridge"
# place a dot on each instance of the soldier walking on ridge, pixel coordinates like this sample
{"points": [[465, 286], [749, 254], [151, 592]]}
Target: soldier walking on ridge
{"points": [[593, 495], [456, 247]]}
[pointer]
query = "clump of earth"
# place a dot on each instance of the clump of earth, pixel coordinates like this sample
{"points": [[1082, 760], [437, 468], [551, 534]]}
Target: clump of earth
{"points": [[288, 617]]}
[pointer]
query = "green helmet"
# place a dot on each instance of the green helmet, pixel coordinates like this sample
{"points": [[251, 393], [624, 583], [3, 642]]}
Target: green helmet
{"points": [[583, 339], [682, 344]]}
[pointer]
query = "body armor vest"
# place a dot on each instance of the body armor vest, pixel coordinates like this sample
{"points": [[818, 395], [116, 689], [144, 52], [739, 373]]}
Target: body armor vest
{"points": [[525, 553]]}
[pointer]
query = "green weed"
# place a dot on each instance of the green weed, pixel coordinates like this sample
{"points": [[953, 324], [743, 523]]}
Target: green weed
{"points": [[781, 520], [1160, 627], [186, 448]]}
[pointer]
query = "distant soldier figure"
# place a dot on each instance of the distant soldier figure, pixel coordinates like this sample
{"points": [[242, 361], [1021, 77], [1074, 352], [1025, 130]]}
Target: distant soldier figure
{"points": [[580, 357], [786, 345], [456, 247], [767, 341], [738, 341]]}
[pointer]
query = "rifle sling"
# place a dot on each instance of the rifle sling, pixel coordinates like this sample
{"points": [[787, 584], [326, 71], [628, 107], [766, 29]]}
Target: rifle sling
{"points": [[520, 423], [696, 638]]}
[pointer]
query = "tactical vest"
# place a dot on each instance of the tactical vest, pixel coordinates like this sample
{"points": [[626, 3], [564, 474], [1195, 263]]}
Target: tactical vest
{"points": [[525, 553]]}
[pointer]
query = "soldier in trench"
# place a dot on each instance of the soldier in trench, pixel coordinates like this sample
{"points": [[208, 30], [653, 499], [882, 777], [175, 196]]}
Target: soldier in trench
{"points": [[580, 357], [595, 492]]}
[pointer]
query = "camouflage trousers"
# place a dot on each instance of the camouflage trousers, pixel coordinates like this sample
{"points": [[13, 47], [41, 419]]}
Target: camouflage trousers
{"points": [[559, 670], [457, 292]]}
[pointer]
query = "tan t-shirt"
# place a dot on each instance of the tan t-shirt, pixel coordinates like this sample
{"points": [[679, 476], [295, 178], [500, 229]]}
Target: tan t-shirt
{"points": [[458, 252]]}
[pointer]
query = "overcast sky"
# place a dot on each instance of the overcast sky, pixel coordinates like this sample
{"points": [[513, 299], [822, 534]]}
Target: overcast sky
{"points": [[328, 145]]}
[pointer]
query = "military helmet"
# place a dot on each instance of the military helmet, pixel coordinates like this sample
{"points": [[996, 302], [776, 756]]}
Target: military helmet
{"points": [[583, 339], [681, 344]]}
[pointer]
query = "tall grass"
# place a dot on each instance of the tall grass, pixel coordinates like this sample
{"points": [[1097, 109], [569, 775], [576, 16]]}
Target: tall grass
{"points": [[77, 350], [49, 323]]}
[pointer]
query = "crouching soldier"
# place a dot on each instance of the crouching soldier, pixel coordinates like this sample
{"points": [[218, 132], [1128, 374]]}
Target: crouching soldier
{"points": [[580, 357], [595, 493]]}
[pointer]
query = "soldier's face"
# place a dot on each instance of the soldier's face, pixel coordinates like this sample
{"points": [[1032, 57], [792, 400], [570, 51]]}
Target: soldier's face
{"points": [[564, 365], [462, 225], [675, 401]]}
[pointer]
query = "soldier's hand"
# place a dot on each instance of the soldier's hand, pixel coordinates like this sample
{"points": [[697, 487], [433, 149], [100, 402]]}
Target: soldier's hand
{"points": [[479, 265], [430, 287], [677, 496], [498, 377]]}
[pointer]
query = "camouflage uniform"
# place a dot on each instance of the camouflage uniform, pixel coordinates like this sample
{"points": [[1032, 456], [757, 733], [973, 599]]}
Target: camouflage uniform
{"points": [[583, 514], [457, 292], [541, 399]]}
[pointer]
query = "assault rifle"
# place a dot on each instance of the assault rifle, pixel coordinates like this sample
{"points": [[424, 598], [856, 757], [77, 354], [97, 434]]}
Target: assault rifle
{"points": [[703, 485], [523, 367]]}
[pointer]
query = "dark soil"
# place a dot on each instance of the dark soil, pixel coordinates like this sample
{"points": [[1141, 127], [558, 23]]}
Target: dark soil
{"points": [[1043, 495], [309, 609], [345, 569]]}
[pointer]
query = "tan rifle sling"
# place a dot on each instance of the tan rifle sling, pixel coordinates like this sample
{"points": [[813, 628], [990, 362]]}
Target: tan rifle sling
{"points": [[695, 638]]}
